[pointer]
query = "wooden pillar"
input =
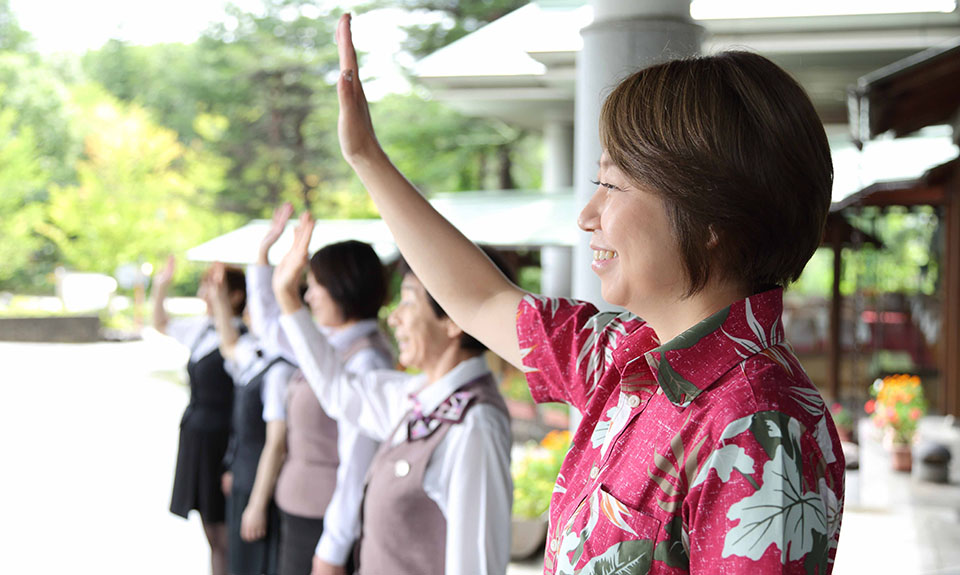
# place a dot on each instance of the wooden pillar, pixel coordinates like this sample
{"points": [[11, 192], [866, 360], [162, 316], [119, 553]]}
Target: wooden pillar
{"points": [[834, 343], [950, 334]]}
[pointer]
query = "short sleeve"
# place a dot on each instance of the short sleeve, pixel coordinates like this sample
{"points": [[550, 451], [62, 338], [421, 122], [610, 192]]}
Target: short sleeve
{"points": [[762, 501], [274, 391], [566, 346]]}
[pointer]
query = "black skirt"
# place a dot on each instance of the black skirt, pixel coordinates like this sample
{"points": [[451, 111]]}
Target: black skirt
{"points": [[196, 484], [298, 544], [260, 557]]}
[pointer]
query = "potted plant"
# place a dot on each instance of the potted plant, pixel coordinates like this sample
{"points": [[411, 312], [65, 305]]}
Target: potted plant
{"points": [[534, 475], [843, 420], [896, 407]]}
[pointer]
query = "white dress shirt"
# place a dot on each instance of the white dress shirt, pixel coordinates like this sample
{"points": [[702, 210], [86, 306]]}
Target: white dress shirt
{"points": [[249, 359], [341, 520], [468, 475]]}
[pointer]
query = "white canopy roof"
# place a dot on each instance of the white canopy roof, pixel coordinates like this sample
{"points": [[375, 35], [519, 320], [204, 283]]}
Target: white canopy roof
{"points": [[504, 219]]}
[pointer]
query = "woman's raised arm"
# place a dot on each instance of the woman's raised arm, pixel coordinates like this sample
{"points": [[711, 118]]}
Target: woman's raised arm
{"points": [[469, 288]]}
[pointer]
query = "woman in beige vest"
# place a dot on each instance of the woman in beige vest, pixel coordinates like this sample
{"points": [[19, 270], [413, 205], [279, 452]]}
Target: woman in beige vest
{"points": [[320, 485], [438, 494]]}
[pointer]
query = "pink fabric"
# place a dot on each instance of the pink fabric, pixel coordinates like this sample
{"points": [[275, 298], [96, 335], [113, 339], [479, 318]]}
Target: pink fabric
{"points": [[713, 453]]}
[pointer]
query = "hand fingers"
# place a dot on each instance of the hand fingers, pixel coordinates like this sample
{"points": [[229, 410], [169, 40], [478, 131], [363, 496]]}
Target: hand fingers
{"points": [[348, 55], [218, 273], [301, 239], [282, 214]]}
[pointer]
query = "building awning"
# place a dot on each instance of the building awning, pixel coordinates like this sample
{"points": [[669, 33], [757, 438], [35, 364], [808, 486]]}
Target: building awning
{"points": [[922, 90], [514, 219]]}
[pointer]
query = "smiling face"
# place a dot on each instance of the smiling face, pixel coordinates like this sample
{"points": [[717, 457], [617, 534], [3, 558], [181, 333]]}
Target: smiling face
{"points": [[635, 253], [421, 336], [323, 307]]}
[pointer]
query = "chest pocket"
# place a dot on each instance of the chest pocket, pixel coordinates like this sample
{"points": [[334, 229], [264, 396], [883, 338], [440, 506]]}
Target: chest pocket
{"points": [[604, 537]]}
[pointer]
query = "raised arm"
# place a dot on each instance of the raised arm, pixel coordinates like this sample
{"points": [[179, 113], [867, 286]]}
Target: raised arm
{"points": [[373, 401], [159, 295], [457, 274], [261, 303], [222, 311]]}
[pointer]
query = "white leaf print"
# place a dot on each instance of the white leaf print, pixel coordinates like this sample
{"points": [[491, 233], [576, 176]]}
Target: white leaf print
{"points": [[774, 428], [779, 513], [751, 347], [600, 431], [809, 399], [566, 554], [822, 434], [737, 427], [557, 487], [762, 340], [755, 326], [523, 360], [833, 507], [615, 512], [725, 460], [620, 419], [597, 352]]}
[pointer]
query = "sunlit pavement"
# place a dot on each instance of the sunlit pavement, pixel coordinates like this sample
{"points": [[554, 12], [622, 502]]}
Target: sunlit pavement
{"points": [[89, 444]]}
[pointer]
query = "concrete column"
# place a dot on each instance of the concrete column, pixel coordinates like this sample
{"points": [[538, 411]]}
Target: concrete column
{"points": [[625, 36], [556, 261]]}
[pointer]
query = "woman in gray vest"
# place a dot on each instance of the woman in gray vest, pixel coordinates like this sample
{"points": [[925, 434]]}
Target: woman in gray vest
{"points": [[438, 494], [321, 482]]}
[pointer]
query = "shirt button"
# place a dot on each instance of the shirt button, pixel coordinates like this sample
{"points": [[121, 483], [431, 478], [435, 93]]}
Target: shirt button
{"points": [[554, 544], [594, 472], [401, 468], [633, 401]]}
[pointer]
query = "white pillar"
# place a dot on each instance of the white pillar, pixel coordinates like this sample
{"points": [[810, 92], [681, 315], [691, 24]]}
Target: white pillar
{"points": [[625, 36], [556, 261]]}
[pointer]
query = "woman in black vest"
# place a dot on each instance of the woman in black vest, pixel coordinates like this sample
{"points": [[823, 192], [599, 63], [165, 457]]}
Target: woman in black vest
{"points": [[257, 441], [205, 426]]}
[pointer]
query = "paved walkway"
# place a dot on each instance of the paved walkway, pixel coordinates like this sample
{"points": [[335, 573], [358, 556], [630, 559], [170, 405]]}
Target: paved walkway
{"points": [[89, 444]]}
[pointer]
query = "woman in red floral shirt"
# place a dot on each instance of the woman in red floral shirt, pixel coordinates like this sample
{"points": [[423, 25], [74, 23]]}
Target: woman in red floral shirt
{"points": [[704, 447]]}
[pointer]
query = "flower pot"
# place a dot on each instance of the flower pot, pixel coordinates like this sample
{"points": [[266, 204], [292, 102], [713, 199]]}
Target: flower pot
{"points": [[901, 457], [528, 537]]}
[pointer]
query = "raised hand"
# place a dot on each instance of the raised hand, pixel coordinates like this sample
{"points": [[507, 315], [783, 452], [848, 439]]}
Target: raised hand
{"points": [[280, 217], [165, 276], [286, 278], [357, 140]]}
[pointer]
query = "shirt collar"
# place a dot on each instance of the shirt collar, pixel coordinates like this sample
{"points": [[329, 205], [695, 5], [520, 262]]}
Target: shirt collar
{"points": [[690, 363], [431, 396], [344, 338]]}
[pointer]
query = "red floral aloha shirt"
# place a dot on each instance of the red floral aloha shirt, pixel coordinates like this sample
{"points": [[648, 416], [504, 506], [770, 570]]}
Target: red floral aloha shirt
{"points": [[712, 453]]}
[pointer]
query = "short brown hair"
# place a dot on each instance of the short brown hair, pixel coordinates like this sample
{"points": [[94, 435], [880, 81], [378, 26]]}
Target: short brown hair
{"points": [[353, 275], [733, 146]]}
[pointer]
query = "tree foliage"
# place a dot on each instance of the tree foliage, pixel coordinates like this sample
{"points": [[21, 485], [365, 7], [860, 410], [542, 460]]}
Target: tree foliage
{"points": [[139, 194], [452, 20]]}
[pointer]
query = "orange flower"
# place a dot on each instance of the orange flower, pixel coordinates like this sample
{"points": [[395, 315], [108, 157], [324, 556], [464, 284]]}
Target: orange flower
{"points": [[915, 413], [556, 440]]}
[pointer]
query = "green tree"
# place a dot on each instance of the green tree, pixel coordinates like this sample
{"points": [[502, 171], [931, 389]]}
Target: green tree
{"points": [[37, 148], [495, 149], [141, 193], [451, 20], [22, 179], [12, 37]]}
